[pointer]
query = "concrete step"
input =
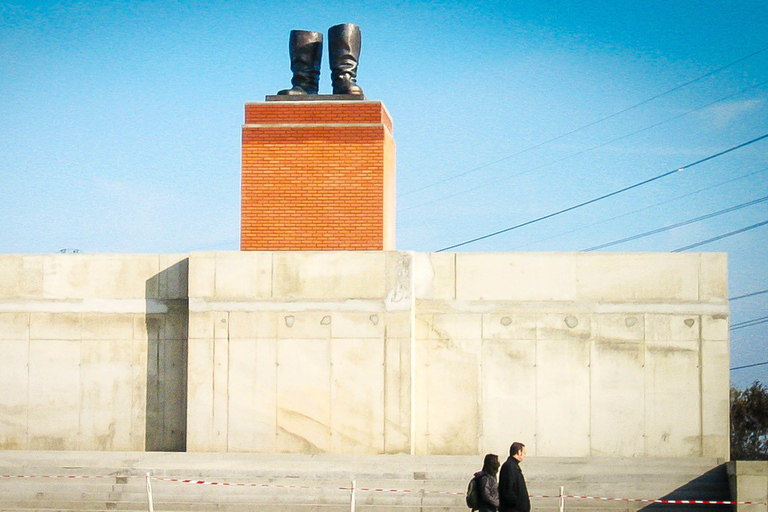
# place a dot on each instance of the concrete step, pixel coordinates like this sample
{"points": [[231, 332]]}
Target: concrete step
{"points": [[321, 483]]}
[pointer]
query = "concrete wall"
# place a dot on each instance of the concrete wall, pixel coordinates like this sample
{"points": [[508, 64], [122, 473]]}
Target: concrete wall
{"points": [[92, 352], [366, 352], [393, 352], [749, 482]]}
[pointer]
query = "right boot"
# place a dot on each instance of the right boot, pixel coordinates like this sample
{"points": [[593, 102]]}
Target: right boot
{"points": [[306, 51], [344, 54]]}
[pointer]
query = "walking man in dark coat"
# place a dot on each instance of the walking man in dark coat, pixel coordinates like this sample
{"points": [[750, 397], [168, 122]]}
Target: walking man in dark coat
{"points": [[513, 493]]}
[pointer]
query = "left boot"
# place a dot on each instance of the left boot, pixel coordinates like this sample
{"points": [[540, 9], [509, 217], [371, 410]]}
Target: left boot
{"points": [[344, 53]]}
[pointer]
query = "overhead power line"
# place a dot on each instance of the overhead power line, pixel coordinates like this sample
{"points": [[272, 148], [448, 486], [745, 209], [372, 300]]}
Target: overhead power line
{"points": [[581, 152], [748, 295], [638, 210], [679, 224], [588, 125], [720, 237], [749, 323], [749, 366], [605, 196]]}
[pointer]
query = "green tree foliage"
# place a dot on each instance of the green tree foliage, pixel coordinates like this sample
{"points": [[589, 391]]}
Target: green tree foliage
{"points": [[749, 423]]}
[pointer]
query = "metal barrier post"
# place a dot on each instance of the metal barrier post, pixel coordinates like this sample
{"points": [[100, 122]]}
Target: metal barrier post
{"points": [[562, 499], [149, 495], [352, 498]]}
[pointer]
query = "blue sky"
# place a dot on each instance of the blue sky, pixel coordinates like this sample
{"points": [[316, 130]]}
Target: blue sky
{"points": [[121, 124]]}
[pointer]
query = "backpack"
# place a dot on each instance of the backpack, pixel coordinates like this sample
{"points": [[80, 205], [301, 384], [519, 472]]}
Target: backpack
{"points": [[473, 494]]}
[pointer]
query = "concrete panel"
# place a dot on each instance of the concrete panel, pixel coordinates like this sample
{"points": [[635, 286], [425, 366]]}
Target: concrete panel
{"points": [[357, 325], [397, 395], [252, 402], [616, 406], [509, 326], [14, 381], [357, 396], [619, 327], [54, 405], [166, 395], [329, 275], [14, 326], [201, 324], [562, 396], [396, 324], [508, 408], [202, 274], [516, 276], [55, 326], [106, 326], [714, 328], [21, 276], [663, 328], [715, 398], [253, 324], [200, 374], [173, 276], [313, 325], [398, 284], [139, 378], [671, 387], [452, 390], [713, 276], [106, 395], [563, 326], [632, 276], [220, 419], [303, 396], [112, 276], [456, 326], [243, 275], [435, 276]]}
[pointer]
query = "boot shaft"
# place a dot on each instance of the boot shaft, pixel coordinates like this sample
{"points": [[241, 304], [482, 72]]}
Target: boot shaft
{"points": [[344, 43], [306, 51]]}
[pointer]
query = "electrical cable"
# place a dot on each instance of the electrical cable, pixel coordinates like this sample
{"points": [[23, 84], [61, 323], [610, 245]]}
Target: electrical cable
{"points": [[748, 366], [605, 196], [677, 225], [749, 323], [627, 109], [720, 237], [577, 153], [748, 295], [641, 209]]}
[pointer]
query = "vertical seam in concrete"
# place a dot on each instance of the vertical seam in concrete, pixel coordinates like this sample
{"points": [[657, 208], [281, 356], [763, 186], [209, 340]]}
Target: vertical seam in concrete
{"points": [[593, 335], [536, 383], [277, 383], [701, 380], [29, 377], [330, 389], [229, 382], [80, 382], [272, 275], [645, 384], [413, 351]]}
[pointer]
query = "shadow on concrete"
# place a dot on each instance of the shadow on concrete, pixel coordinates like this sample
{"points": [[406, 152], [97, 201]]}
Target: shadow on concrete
{"points": [[167, 315], [711, 486]]}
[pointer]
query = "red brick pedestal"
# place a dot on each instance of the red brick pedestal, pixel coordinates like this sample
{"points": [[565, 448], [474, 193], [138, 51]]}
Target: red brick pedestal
{"points": [[317, 175]]}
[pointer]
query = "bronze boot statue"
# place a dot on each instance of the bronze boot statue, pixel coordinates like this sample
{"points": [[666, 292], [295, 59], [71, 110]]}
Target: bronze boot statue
{"points": [[306, 51], [344, 53]]}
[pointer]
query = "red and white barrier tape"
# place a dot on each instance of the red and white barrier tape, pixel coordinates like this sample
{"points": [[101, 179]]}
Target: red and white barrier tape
{"points": [[287, 486], [379, 489], [678, 502]]}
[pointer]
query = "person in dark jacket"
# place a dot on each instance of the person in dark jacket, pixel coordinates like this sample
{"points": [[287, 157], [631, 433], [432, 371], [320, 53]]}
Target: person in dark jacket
{"points": [[513, 493], [486, 484]]}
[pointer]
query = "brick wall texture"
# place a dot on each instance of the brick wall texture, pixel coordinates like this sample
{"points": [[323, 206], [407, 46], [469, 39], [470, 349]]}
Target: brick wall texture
{"points": [[317, 176]]}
